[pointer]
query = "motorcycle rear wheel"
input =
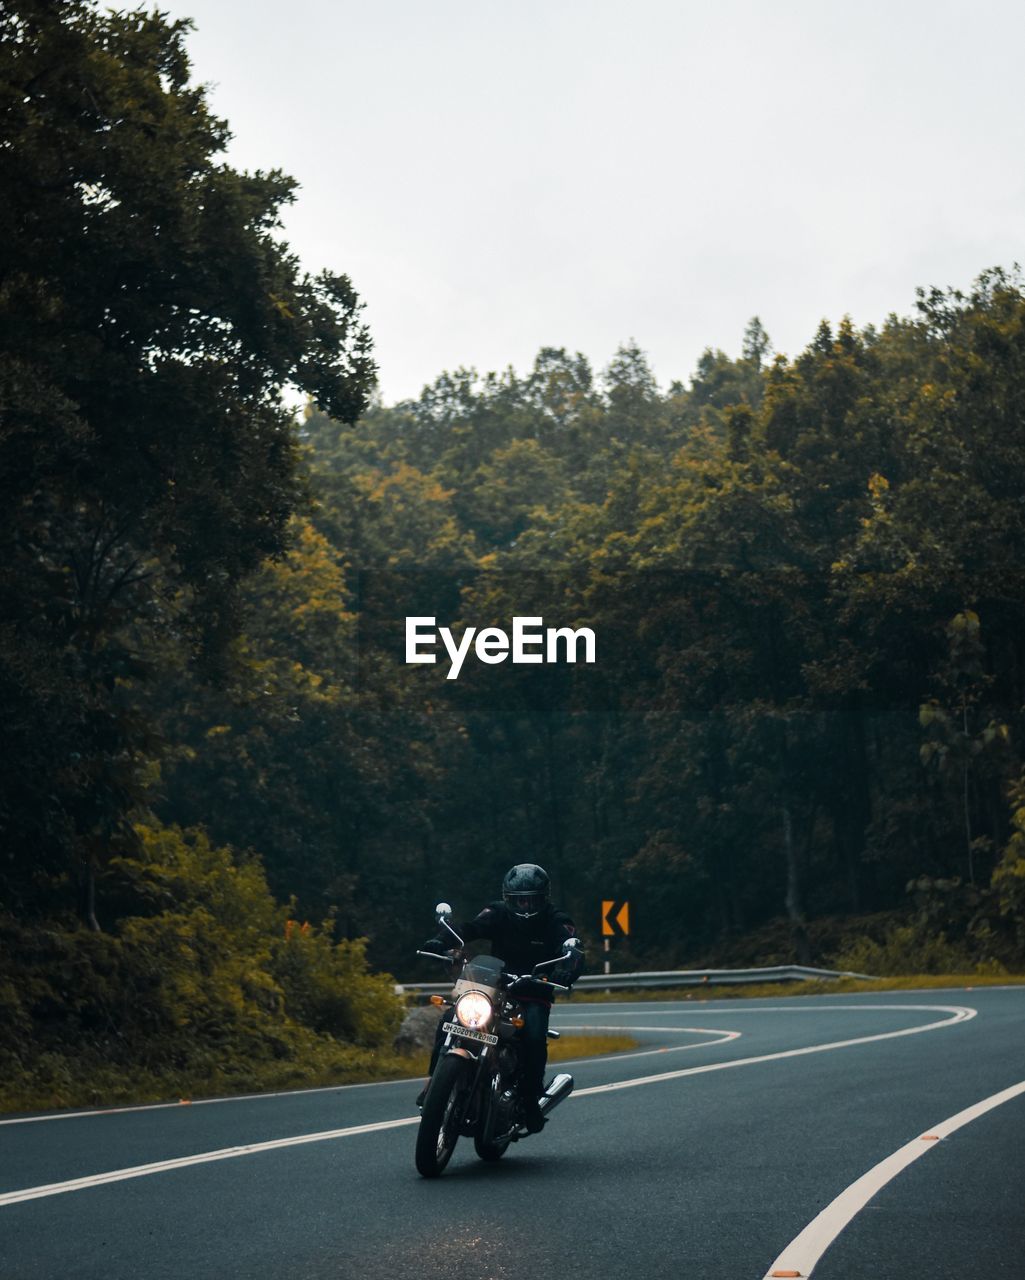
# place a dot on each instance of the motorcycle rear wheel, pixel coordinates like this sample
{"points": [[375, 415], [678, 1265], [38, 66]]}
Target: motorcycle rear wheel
{"points": [[441, 1115], [490, 1150], [484, 1140]]}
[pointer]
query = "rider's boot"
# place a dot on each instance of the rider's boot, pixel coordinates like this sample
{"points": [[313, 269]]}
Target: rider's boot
{"points": [[533, 1120]]}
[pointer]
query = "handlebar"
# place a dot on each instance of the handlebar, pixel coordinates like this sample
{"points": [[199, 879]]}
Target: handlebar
{"points": [[512, 978], [529, 977]]}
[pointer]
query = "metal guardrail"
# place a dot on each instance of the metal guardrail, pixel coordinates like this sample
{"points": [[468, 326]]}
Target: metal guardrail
{"points": [[675, 978]]}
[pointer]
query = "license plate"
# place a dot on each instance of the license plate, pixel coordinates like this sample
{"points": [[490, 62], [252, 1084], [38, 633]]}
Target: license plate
{"points": [[468, 1034]]}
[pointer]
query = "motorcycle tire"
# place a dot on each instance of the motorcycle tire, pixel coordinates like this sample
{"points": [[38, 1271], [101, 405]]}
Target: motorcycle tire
{"points": [[483, 1141], [441, 1115]]}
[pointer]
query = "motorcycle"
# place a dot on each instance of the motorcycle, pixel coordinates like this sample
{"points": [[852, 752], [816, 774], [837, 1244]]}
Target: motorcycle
{"points": [[472, 1091]]}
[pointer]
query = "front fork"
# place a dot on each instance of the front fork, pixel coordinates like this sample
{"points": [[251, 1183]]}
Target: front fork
{"points": [[470, 1117]]}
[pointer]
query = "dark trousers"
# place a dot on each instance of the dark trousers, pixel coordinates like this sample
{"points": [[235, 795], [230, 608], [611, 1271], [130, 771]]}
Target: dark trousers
{"points": [[533, 1042]]}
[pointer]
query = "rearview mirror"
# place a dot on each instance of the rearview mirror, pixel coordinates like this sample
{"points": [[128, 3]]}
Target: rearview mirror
{"points": [[571, 945], [444, 913]]}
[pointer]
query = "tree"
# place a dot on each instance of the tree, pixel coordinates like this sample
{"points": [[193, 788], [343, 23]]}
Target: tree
{"points": [[149, 318], [506, 490], [757, 344]]}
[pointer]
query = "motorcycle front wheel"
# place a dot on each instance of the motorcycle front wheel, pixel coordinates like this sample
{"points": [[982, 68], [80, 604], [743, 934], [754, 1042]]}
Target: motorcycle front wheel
{"points": [[441, 1115]]}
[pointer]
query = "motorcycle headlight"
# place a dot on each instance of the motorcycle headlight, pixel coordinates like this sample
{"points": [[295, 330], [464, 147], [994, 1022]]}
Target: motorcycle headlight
{"points": [[474, 1010]]}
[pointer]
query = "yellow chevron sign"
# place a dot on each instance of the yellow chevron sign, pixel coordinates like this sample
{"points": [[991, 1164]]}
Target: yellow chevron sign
{"points": [[615, 918]]}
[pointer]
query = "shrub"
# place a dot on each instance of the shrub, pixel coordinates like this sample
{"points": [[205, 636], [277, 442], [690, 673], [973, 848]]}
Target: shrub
{"points": [[1009, 874], [906, 949], [204, 979], [327, 987]]}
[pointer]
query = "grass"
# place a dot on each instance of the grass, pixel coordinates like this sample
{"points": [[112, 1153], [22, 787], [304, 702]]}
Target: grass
{"points": [[588, 1046], [62, 1085], [812, 987], [561, 1050]]}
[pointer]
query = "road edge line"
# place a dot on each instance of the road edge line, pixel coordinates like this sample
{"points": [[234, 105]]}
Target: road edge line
{"points": [[803, 1253], [961, 1013]]}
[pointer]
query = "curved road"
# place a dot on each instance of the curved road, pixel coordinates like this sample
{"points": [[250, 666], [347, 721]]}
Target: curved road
{"points": [[850, 1136]]}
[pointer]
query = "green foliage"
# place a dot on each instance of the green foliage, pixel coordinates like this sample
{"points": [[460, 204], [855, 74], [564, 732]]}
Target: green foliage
{"points": [[326, 986], [201, 981], [504, 493], [149, 318], [906, 949], [805, 698], [806, 578], [1009, 875]]}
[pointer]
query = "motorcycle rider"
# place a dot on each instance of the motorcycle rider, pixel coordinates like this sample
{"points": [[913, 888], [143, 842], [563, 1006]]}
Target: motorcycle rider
{"points": [[522, 928]]}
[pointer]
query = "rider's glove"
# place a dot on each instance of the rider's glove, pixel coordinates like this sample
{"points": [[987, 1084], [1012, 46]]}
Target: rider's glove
{"points": [[568, 972]]}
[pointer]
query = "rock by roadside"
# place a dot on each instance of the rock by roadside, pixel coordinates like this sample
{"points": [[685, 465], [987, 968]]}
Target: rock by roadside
{"points": [[418, 1028]]}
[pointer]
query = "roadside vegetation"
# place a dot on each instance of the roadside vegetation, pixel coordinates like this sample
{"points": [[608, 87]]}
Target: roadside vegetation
{"points": [[227, 804], [565, 1049], [208, 986], [321, 1062]]}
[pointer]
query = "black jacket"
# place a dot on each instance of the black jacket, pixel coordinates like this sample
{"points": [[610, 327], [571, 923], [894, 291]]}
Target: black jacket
{"points": [[521, 944]]}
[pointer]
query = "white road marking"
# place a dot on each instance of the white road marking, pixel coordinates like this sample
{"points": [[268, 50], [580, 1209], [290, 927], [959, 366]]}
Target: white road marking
{"points": [[375, 1084], [337, 1088], [802, 1254], [959, 1013], [767, 1008], [618, 1026], [721, 1038], [204, 1102], [205, 1157]]}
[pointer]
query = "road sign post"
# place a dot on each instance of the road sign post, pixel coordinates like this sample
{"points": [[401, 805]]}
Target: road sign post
{"points": [[615, 919]]}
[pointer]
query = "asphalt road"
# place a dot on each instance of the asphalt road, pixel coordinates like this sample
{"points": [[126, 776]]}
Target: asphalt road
{"points": [[737, 1126]]}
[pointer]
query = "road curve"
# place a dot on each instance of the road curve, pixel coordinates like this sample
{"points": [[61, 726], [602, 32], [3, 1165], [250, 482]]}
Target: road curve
{"points": [[859, 1136]]}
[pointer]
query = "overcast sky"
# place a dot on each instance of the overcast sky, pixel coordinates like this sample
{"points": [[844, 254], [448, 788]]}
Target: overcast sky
{"points": [[500, 175]]}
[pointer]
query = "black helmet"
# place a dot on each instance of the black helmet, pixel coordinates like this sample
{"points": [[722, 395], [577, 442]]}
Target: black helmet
{"points": [[525, 889]]}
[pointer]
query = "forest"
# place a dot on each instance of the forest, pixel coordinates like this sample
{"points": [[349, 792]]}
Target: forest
{"points": [[228, 804]]}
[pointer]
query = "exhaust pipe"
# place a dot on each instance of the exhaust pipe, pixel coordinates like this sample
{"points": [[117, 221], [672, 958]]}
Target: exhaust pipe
{"points": [[558, 1091]]}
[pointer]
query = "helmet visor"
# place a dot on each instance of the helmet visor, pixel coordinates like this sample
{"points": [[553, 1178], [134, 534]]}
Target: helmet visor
{"points": [[526, 904]]}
